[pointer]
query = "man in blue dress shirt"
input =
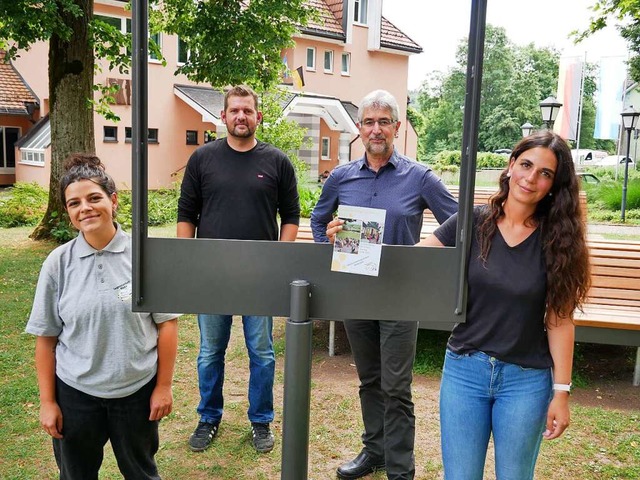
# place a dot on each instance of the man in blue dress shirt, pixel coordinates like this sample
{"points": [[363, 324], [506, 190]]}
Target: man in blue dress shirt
{"points": [[383, 350]]}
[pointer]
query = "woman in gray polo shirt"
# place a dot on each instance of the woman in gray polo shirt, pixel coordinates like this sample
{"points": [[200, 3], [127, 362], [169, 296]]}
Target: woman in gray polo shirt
{"points": [[104, 372]]}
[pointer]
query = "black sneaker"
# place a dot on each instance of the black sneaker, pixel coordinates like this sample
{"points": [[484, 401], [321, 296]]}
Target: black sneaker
{"points": [[202, 436], [262, 437]]}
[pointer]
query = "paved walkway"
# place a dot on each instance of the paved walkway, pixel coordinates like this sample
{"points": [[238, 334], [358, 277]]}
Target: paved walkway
{"points": [[606, 231]]}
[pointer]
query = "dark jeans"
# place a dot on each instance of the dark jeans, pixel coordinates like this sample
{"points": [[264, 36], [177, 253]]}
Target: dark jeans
{"points": [[88, 422], [384, 352]]}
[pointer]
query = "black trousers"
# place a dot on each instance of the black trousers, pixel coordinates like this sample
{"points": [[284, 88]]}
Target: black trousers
{"points": [[384, 352], [88, 422]]}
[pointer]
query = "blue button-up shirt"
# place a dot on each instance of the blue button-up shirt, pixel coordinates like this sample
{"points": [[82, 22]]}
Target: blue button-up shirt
{"points": [[403, 187]]}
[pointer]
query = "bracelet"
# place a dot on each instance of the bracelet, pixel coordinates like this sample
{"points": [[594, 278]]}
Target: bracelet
{"points": [[562, 387]]}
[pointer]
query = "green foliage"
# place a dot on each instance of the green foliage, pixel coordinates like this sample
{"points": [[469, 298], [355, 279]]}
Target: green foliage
{"points": [[24, 205], [515, 79], [448, 157], [625, 12], [25, 22], [27, 203], [233, 42], [61, 229], [285, 134], [443, 160], [162, 207], [491, 160], [309, 196], [609, 195], [102, 106], [430, 352]]}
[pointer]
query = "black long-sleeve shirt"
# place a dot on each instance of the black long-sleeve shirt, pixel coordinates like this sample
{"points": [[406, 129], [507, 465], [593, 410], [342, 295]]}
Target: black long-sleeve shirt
{"points": [[238, 195]]}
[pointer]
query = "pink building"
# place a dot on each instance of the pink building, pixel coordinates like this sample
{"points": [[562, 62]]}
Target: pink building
{"points": [[350, 51]]}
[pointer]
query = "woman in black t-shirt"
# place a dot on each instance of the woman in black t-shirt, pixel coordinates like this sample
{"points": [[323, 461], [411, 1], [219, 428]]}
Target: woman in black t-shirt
{"points": [[507, 370]]}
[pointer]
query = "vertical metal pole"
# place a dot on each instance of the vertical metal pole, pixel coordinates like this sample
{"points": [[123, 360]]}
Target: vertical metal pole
{"points": [[139, 80], [297, 385], [626, 174], [471, 121], [332, 338], [636, 373]]}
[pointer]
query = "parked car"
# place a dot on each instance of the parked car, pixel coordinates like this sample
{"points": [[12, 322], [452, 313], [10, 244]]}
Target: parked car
{"points": [[588, 178], [503, 151], [612, 160], [587, 156]]}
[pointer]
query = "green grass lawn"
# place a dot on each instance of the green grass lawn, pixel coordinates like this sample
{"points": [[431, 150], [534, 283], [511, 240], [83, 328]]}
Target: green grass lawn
{"points": [[601, 443]]}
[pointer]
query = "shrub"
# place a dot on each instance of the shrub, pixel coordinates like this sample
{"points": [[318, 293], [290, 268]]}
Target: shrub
{"points": [[27, 202], [449, 158], [309, 196], [24, 206], [162, 206], [491, 160], [608, 194]]}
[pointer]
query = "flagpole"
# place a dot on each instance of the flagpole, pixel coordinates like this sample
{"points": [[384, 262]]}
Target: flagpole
{"points": [[580, 106]]}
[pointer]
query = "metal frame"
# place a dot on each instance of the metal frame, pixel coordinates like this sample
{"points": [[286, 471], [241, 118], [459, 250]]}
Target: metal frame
{"points": [[294, 279]]}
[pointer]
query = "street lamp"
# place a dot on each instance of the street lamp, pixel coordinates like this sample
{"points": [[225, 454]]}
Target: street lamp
{"points": [[549, 109], [526, 128], [629, 120]]}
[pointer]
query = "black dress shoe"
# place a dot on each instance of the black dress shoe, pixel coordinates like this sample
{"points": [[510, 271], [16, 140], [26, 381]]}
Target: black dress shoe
{"points": [[362, 465]]}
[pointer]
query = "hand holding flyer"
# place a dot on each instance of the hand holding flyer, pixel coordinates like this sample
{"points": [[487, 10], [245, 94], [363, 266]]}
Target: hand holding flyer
{"points": [[358, 246]]}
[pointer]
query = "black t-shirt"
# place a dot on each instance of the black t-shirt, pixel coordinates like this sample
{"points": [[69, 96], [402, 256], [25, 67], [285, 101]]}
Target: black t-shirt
{"points": [[506, 299], [237, 195]]}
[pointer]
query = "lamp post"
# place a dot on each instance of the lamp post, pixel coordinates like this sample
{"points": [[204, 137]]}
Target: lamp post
{"points": [[526, 128], [549, 109], [629, 121]]}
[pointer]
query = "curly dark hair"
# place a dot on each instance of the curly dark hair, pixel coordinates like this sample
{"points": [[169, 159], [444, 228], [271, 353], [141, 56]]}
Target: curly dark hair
{"points": [[562, 228], [85, 166]]}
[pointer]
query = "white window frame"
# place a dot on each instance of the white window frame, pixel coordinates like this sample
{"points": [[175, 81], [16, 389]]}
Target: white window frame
{"points": [[312, 67], [159, 42], [328, 55], [32, 156], [346, 72], [178, 52], [360, 11], [325, 148]]}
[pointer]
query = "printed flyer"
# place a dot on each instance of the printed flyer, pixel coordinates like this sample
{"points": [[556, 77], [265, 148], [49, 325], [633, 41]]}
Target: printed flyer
{"points": [[358, 246]]}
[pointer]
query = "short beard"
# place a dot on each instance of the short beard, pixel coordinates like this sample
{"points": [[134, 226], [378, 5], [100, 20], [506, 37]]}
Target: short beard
{"points": [[374, 149], [247, 134]]}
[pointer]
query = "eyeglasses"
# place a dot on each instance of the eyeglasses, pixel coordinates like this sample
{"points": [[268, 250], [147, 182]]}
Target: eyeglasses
{"points": [[382, 123]]}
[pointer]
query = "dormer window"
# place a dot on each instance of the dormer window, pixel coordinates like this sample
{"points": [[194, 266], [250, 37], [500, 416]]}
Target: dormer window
{"points": [[360, 11]]}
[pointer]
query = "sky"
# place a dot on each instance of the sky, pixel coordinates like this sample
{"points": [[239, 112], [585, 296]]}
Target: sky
{"points": [[438, 26]]}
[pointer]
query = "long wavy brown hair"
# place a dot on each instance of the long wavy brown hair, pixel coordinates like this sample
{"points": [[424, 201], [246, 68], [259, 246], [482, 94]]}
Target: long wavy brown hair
{"points": [[562, 229]]}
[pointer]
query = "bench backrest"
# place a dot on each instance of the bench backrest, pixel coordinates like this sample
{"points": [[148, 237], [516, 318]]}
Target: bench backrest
{"points": [[615, 273]]}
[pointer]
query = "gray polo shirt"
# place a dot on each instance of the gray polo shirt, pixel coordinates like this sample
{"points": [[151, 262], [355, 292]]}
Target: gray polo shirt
{"points": [[83, 297]]}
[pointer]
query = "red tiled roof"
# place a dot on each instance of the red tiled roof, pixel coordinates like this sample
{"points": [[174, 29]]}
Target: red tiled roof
{"points": [[13, 89], [329, 24], [392, 37], [336, 6]]}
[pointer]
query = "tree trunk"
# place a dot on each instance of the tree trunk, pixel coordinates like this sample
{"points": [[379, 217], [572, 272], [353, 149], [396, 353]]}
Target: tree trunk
{"points": [[71, 65]]}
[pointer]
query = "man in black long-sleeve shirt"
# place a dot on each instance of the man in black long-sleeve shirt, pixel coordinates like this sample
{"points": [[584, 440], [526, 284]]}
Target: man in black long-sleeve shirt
{"points": [[234, 188]]}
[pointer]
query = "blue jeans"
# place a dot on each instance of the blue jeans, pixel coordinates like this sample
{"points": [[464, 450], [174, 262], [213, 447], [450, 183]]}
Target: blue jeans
{"points": [[215, 331], [89, 422], [481, 395]]}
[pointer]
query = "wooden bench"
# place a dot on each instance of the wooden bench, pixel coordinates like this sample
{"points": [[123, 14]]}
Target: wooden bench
{"points": [[612, 313]]}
